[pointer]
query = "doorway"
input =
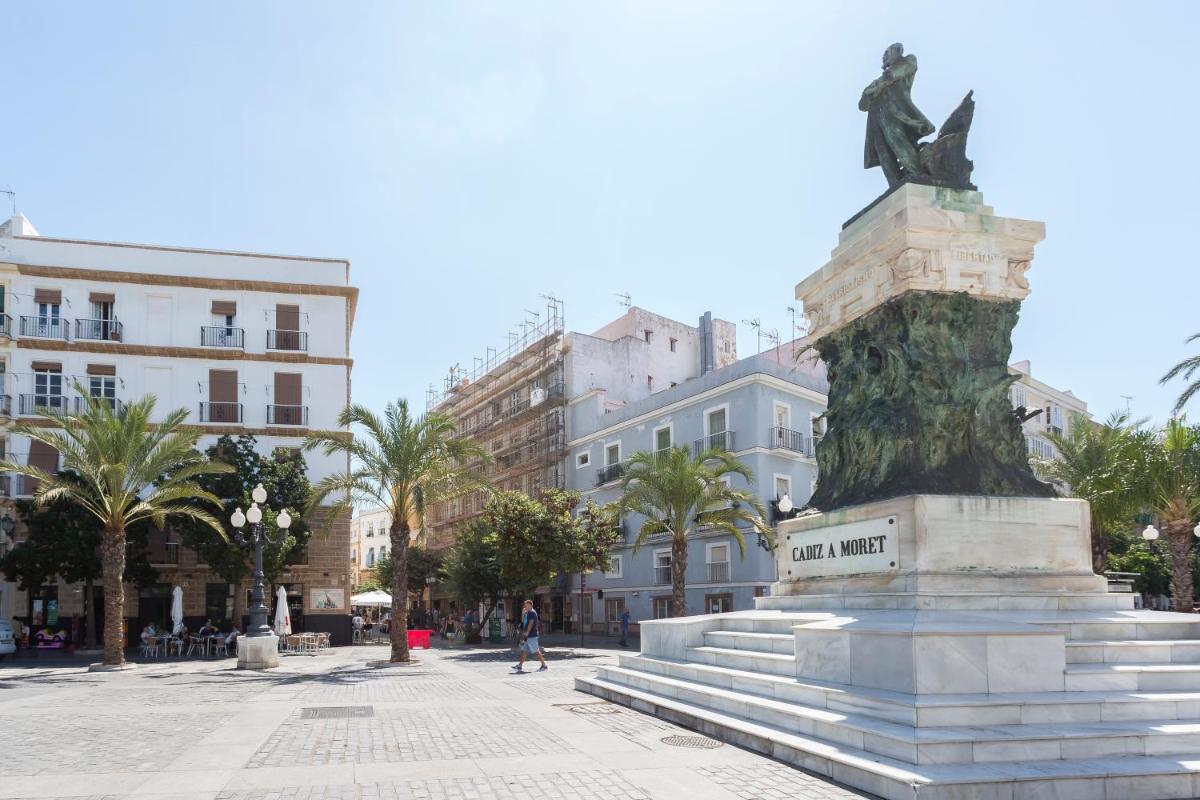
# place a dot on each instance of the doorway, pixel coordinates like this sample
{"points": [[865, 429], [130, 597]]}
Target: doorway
{"points": [[613, 606]]}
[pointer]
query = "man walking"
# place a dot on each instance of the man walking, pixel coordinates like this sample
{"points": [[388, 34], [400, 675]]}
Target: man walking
{"points": [[531, 629], [624, 641]]}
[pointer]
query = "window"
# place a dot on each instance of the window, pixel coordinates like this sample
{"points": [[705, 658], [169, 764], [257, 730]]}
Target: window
{"points": [[662, 566], [647, 335], [514, 400], [371, 557], [718, 603], [662, 607], [218, 602], [103, 387], [370, 529], [614, 567], [662, 438], [716, 424], [582, 459], [1020, 398], [783, 485], [612, 454], [716, 421], [383, 552], [673, 343], [817, 423], [47, 388], [354, 556], [716, 559], [783, 416]]}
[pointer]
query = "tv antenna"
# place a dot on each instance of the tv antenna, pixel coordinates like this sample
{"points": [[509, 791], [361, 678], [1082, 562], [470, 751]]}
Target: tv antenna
{"points": [[12, 196], [756, 323], [624, 299], [1128, 402]]}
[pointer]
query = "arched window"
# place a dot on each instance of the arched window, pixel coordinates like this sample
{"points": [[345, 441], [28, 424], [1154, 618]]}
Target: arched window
{"points": [[371, 557]]}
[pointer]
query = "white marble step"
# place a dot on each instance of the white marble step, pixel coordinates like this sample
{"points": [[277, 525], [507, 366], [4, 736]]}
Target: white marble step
{"points": [[773, 663], [782, 643], [964, 601], [1132, 778], [934, 710], [1132, 677], [937, 745], [1133, 625], [1133, 651]]}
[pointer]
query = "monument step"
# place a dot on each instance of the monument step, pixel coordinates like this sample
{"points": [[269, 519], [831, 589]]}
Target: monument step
{"points": [[1132, 677], [1125, 777], [950, 601], [1134, 651], [774, 663], [931, 745], [934, 710], [781, 643], [1121, 626]]}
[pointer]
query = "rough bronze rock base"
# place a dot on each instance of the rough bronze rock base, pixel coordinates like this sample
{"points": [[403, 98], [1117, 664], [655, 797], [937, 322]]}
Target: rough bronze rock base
{"points": [[919, 403]]}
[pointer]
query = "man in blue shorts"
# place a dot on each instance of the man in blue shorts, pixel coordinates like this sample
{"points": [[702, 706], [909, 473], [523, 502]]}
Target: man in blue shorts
{"points": [[531, 628]]}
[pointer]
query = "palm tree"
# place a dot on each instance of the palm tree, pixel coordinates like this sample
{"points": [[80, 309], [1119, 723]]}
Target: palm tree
{"points": [[1172, 475], [1099, 463], [122, 469], [676, 492], [403, 464], [1186, 368]]}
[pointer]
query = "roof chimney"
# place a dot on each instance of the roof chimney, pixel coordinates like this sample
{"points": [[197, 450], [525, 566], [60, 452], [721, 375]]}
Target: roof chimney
{"points": [[708, 351], [19, 225]]}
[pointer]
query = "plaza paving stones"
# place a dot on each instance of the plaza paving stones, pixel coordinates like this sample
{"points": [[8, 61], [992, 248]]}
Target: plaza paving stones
{"points": [[455, 726]]}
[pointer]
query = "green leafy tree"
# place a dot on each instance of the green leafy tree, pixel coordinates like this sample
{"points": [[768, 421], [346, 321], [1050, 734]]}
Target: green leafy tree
{"points": [[676, 492], [284, 476], [422, 564], [1131, 553], [402, 463], [1100, 464], [1185, 369], [63, 541], [126, 470], [1171, 471], [472, 568]]}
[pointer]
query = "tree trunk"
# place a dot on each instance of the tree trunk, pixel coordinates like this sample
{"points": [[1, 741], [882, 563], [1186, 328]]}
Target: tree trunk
{"points": [[89, 613], [1179, 548], [1099, 548], [112, 559], [679, 556], [399, 534]]}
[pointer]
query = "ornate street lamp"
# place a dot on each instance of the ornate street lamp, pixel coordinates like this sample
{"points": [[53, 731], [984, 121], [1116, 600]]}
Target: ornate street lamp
{"points": [[1150, 533], [258, 535]]}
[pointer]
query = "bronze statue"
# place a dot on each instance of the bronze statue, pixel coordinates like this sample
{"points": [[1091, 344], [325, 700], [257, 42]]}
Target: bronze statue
{"points": [[895, 126]]}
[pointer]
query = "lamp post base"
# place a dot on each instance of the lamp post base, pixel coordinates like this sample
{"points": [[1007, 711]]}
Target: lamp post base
{"points": [[258, 652]]}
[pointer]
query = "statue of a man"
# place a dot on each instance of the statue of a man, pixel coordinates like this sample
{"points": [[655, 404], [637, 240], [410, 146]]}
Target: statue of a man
{"points": [[894, 125]]}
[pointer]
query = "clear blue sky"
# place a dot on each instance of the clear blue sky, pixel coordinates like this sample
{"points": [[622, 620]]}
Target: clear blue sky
{"points": [[701, 156]]}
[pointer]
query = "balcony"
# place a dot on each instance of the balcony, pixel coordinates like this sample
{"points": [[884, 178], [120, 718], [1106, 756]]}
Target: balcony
{"points": [[287, 340], [718, 572], [1037, 446], [221, 412], [81, 403], [610, 473], [5, 405], [787, 439], [287, 415], [6, 325], [30, 404], [103, 330], [222, 337], [717, 441], [662, 575], [45, 327], [16, 485]]}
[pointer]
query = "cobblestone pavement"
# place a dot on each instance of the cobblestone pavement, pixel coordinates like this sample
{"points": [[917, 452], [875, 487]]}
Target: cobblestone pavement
{"points": [[457, 725]]}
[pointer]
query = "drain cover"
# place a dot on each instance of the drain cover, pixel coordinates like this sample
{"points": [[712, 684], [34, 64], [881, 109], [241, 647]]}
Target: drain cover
{"points": [[336, 712], [702, 742], [595, 708]]}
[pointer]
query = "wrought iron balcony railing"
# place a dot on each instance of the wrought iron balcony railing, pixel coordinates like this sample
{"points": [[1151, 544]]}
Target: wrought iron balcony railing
{"points": [[105, 330], [221, 412], [287, 415], [29, 404], [287, 340], [222, 336], [45, 327]]}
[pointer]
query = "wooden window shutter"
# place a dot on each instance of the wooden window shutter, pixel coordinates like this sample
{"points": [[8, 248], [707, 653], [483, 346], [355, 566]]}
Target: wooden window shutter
{"points": [[46, 366], [287, 389], [101, 297], [222, 385], [101, 369], [42, 456], [51, 296], [287, 317], [224, 308]]}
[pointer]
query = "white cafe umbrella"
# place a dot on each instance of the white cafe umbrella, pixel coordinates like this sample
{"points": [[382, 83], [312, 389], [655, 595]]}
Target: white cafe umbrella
{"points": [[176, 609], [374, 598], [283, 623]]}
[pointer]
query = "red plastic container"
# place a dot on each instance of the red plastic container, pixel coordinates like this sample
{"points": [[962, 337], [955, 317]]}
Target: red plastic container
{"points": [[419, 639]]}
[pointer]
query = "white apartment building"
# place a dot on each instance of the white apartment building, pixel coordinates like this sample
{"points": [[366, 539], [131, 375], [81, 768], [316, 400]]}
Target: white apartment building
{"points": [[246, 343], [370, 540], [1060, 410]]}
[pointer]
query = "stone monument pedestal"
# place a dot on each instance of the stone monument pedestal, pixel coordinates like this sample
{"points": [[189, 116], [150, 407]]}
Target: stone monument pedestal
{"points": [[950, 647], [258, 652]]}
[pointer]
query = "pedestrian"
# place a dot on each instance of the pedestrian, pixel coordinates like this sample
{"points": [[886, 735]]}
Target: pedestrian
{"points": [[531, 629], [624, 641]]}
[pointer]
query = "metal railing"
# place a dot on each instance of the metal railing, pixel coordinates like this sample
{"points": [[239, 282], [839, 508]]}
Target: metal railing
{"points": [[6, 325], [45, 327], [718, 572], [16, 485], [5, 405], [787, 439], [610, 473], [30, 403], [715, 441], [287, 415], [287, 340], [662, 575], [220, 412], [105, 330], [81, 403], [1040, 447], [221, 336]]}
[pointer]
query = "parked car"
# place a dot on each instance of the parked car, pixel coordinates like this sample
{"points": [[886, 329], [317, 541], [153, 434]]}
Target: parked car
{"points": [[8, 644]]}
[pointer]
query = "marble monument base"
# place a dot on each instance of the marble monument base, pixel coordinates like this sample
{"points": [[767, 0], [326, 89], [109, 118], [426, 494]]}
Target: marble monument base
{"points": [[938, 646], [258, 652]]}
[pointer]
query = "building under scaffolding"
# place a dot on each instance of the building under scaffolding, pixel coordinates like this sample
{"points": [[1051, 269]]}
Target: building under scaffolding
{"points": [[512, 403]]}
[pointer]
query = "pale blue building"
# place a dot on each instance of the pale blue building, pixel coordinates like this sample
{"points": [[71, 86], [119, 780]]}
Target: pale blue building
{"points": [[767, 409]]}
